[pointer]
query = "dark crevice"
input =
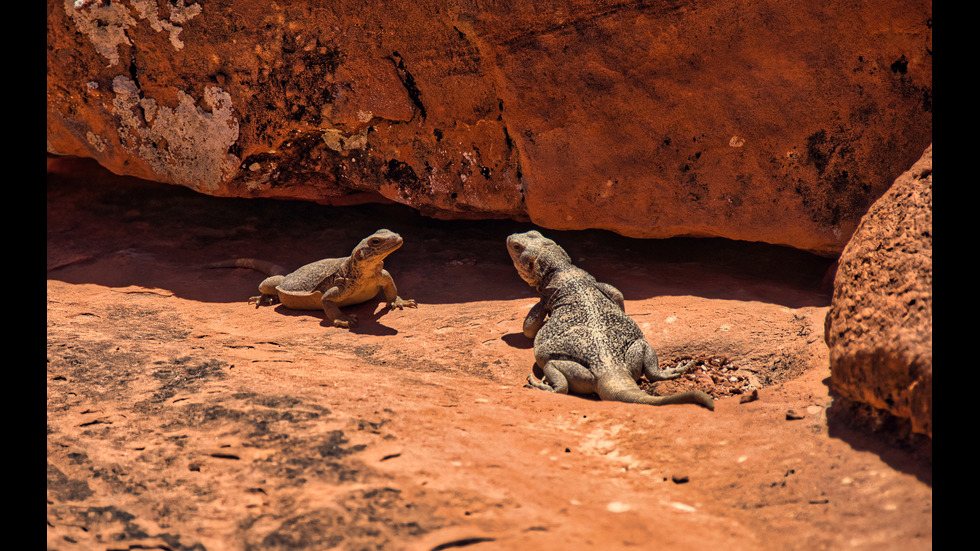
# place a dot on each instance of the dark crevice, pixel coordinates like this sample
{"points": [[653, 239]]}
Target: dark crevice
{"points": [[408, 81]]}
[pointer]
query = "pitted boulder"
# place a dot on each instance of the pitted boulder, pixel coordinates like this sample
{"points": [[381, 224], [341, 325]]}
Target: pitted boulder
{"points": [[879, 327]]}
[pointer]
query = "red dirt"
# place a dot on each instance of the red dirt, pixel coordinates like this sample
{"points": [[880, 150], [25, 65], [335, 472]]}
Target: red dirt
{"points": [[180, 416]]}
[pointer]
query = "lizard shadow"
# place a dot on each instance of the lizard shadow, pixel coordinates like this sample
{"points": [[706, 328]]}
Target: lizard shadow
{"points": [[518, 340], [369, 325], [367, 320]]}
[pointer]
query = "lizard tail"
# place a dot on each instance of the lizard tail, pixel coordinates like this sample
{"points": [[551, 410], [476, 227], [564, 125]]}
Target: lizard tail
{"points": [[624, 389], [267, 268], [689, 397]]}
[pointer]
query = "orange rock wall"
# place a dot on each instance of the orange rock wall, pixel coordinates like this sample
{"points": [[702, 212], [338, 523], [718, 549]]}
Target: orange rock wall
{"points": [[772, 121]]}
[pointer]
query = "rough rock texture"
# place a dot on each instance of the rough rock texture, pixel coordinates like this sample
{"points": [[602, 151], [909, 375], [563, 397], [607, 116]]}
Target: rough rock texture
{"points": [[776, 122], [180, 417], [879, 326]]}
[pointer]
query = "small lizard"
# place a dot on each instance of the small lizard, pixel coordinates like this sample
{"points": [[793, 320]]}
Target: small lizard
{"points": [[583, 340], [331, 283]]}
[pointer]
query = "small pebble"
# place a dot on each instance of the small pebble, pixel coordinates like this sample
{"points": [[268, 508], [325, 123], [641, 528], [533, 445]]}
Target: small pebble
{"points": [[618, 507], [682, 507], [750, 397], [793, 416]]}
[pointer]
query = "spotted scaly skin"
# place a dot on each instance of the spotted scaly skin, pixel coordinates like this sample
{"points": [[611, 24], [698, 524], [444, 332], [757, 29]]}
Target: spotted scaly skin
{"points": [[583, 340], [331, 283]]}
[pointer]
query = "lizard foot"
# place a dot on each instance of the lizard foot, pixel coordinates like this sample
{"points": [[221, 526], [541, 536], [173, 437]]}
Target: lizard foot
{"points": [[263, 300], [400, 303], [675, 372], [534, 383], [346, 322]]}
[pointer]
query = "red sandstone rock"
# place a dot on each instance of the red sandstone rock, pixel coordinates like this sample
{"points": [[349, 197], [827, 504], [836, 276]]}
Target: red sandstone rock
{"points": [[181, 417], [767, 122], [879, 327]]}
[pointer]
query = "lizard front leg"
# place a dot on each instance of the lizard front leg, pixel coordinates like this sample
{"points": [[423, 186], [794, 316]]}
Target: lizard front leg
{"points": [[332, 311], [391, 293], [535, 319], [613, 293]]}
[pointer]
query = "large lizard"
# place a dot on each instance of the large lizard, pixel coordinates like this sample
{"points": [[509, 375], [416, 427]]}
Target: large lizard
{"points": [[331, 283], [583, 340]]}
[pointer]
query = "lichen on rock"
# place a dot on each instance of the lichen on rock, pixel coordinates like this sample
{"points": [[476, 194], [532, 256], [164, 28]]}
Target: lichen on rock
{"points": [[106, 24], [186, 144]]}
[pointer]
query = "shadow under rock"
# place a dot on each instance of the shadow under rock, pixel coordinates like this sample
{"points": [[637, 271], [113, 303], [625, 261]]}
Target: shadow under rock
{"points": [[890, 438], [156, 235]]}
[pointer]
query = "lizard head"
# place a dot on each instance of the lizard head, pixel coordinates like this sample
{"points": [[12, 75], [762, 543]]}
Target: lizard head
{"points": [[377, 246], [535, 256]]}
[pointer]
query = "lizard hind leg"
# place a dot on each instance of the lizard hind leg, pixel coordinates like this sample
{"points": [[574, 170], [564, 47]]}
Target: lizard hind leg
{"points": [[564, 376], [269, 284], [640, 357], [269, 293]]}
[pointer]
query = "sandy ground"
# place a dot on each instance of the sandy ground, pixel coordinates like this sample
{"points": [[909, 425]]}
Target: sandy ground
{"points": [[181, 417]]}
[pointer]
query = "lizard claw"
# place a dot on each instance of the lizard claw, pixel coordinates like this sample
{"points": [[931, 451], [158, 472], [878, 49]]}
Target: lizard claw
{"points": [[672, 372], [263, 300], [684, 366], [401, 303], [347, 322], [534, 383]]}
